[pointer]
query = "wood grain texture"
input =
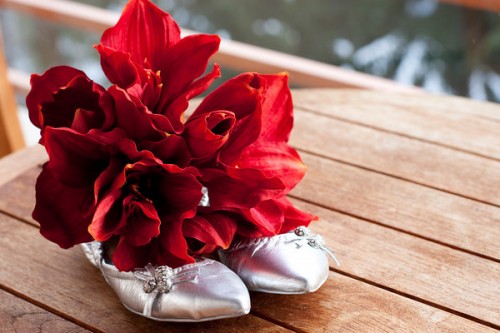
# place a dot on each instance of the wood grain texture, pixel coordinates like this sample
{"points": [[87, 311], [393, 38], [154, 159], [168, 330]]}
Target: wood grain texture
{"points": [[19, 316], [403, 205], [63, 280], [411, 266], [436, 166], [22, 187], [15, 164], [444, 104], [347, 305], [440, 120]]}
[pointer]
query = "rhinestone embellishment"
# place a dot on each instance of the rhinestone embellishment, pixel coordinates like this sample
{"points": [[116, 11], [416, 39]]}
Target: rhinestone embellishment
{"points": [[162, 279], [303, 232], [161, 282], [314, 240]]}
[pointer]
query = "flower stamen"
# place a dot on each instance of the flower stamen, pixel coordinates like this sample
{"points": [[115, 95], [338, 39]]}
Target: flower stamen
{"points": [[134, 188]]}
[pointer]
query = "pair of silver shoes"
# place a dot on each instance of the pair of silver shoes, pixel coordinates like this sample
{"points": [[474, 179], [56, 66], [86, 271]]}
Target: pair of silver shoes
{"points": [[290, 263]]}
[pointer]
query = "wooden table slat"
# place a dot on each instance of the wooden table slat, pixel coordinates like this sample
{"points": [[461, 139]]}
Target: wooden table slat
{"points": [[453, 171], [417, 209], [348, 305], [17, 315], [445, 104], [395, 114], [17, 163], [434, 273]]}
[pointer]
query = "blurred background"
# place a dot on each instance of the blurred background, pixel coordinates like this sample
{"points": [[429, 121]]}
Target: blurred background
{"points": [[441, 47]]}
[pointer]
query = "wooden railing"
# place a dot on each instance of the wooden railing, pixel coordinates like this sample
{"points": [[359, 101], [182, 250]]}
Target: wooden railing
{"points": [[11, 136], [232, 54], [490, 5], [235, 55]]}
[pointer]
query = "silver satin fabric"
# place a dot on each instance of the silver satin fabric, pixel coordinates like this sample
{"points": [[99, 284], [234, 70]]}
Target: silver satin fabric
{"points": [[282, 264], [211, 291]]}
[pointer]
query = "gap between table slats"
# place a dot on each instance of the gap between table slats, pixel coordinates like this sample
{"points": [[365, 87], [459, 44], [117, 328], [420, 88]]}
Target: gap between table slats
{"points": [[18, 315], [77, 289]]}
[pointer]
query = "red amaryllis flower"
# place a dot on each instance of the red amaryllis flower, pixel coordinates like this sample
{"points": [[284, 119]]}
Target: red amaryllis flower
{"points": [[99, 186], [145, 200], [65, 201], [254, 167], [145, 55], [126, 168], [65, 97], [257, 147]]}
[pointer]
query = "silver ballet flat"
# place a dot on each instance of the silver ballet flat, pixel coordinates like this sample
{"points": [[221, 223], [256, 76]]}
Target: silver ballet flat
{"points": [[205, 290], [292, 263]]}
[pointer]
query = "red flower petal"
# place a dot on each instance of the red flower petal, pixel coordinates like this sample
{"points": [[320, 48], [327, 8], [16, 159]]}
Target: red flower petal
{"points": [[175, 110], [238, 97], [126, 257], [174, 248], [214, 230], [133, 117], [144, 31], [44, 86], [207, 133], [123, 154], [180, 192], [274, 159], [170, 248], [267, 217], [63, 213], [136, 80], [118, 67], [182, 64], [294, 217], [277, 108], [75, 159], [239, 188], [171, 150], [141, 221], [235, 95], [108, 218], [58, 97]]}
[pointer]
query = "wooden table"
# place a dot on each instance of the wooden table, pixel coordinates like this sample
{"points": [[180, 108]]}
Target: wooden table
{"points": [[408, 189]]}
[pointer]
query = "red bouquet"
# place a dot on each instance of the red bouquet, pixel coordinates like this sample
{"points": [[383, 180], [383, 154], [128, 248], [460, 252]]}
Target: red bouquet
{"points": [[125, 166]]}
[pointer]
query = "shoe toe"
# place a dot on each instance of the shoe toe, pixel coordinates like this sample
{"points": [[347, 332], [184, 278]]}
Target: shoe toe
{"points": [[217, 293], [205, 290], [276, 265]]}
